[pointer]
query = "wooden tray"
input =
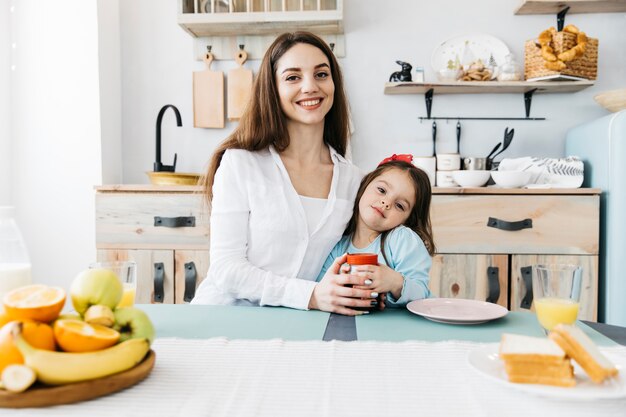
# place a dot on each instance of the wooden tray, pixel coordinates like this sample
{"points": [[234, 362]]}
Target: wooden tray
{"points": [[42, 395]]}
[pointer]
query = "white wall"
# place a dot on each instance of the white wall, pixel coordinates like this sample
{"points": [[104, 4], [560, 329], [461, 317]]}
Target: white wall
{"points": [[110, 90], [157, 65], [56, 133], [5, 100]]}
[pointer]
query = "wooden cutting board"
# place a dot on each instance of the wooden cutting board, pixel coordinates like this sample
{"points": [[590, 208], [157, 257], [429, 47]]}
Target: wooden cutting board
{"points": [[43, 395], [208, 96], [239, 87]]}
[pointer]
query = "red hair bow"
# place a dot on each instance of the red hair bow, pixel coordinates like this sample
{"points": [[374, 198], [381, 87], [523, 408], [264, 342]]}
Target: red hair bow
{"points": [[406, 157]]}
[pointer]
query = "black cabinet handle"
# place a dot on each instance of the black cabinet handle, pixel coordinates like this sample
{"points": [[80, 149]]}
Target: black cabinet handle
{"points": [[191, 277], [510, 226], [159, 278], [493, 283], [174, 221], [527, 276]]}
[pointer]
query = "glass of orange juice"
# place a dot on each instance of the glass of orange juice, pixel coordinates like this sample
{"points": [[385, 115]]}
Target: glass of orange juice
{"points": [[556, 291], [126, 271]]}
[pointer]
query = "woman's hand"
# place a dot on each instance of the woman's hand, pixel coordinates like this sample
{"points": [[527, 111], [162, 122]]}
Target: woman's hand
{"points": [[332, 295], [381, 279]]}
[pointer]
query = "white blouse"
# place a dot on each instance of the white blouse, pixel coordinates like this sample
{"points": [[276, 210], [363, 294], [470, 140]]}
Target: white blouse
{"points": [[259, 234], [313, 211]]}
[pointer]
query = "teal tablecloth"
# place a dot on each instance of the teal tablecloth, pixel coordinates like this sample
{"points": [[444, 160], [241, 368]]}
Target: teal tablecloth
{"points": [[396, 325], [203, 322]]}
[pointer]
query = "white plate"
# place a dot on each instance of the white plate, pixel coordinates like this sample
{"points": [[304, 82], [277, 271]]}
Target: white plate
{"points": [[487, 363], [457, 310], [481, 45]]}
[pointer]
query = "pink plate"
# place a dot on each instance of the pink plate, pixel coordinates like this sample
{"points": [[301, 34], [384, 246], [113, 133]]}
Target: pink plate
{"points": [[457, 310]]}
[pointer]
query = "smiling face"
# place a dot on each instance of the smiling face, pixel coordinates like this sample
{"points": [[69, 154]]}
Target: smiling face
{"points": [[305, 84], [387, 201]]}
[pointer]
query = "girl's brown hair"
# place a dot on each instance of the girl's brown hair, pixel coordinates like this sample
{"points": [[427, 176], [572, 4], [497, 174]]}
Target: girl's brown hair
{"points": [[264, 123], [419, 218]]}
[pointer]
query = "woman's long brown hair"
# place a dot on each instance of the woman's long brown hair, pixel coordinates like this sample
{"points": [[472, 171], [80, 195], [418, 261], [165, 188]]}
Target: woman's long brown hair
{"points": [[419, 218], [264, 123]]}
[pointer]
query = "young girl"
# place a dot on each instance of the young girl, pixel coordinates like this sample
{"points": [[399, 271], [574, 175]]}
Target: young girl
{"points": [[391, 218]]}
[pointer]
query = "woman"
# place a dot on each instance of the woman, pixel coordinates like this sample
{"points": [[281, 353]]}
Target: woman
{"points": [[281, 191]]}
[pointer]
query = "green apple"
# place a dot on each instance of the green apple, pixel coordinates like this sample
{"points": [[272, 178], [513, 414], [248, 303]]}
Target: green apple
{"points": [[95, 287], [133, 323]]}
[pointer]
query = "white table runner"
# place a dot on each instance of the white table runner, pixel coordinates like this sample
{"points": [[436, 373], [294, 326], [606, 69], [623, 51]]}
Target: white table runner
{"points": [[220, 377]]}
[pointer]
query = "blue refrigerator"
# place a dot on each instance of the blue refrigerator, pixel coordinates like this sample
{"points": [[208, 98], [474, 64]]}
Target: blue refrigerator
{"points": [[601, 144]]}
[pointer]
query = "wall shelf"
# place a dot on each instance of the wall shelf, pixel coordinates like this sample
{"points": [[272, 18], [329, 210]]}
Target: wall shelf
{"points": [[576, 6], [266, 22], [485, 87]]}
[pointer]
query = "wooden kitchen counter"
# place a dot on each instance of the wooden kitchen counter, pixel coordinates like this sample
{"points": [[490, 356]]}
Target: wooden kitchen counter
{"points": [[436, 190]]}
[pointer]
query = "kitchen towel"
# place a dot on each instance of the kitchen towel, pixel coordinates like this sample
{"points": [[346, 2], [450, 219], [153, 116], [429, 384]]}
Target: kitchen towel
{"points": [[221, 377], [553, 172]]}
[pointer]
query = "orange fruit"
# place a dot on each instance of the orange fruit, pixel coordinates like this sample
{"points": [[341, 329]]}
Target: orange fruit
{"points": [[78, 336], [4, 319], [39, 335], [36, 302]]}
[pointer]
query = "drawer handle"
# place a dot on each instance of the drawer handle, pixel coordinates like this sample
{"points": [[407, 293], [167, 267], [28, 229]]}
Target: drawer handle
{"points": [[527, 276], [174, 221], [191, 277], [494, 284], [159, 277], [510, 226]]}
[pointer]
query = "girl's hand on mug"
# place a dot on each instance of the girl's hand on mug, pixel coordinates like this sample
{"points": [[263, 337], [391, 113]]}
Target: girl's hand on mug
{"points": [[381, 279], [332, 295]]}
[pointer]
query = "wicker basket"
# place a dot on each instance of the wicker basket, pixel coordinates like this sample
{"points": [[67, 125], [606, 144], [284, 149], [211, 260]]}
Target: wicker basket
{"points": [[614, 100], [585, 66]]}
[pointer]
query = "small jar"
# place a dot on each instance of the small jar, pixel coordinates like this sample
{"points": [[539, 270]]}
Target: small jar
{"points": [[14, 262], [509, 71]]}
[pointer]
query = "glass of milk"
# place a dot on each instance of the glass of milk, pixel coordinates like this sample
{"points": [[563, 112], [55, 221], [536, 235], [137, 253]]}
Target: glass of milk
{"points": [[14, 261]]}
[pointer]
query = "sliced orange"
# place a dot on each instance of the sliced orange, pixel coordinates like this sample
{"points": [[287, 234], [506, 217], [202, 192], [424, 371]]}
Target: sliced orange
{"points": [[78, 336], [36, 302], [39, 335]]}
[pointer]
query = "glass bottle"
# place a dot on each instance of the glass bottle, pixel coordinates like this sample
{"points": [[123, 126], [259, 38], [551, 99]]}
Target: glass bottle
{"points": [[509, 71], [14, 261]]}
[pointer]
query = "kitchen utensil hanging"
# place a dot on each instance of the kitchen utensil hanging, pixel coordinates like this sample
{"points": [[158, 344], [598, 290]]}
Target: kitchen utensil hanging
{"points": [[208, 96], [508, 138], [434, 138], [458, 137], [239, 86]]}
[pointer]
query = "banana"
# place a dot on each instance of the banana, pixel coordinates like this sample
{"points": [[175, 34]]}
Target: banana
{"points": [[57, 368]]}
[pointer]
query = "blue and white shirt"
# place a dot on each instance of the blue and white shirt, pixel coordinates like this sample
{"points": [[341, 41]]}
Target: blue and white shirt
{"points": [[407, 255]]}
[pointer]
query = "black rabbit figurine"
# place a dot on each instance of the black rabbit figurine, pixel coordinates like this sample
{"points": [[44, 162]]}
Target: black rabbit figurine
{"points": [[404, 74]]}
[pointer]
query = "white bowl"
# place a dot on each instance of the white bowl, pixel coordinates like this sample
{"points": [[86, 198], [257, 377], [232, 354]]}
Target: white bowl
{"points": [[511, 179], [471, 178]]}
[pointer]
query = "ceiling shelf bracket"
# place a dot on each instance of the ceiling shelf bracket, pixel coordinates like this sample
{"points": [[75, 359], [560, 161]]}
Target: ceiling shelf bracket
{"points": [[528, 99], [560, 18]]}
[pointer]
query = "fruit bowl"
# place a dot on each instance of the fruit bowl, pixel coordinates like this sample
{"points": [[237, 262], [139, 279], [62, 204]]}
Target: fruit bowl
{"points": [[40, 395], [511, 179], [173, 178], [471, 178]]}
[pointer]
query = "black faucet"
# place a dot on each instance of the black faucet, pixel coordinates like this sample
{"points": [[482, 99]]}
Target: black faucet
{"points": [[158, 166]]}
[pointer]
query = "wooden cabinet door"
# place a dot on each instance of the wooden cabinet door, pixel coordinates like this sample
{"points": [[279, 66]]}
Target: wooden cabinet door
{"points": [[152, 265], [476, 277], [521, 274], [190, 269]]}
